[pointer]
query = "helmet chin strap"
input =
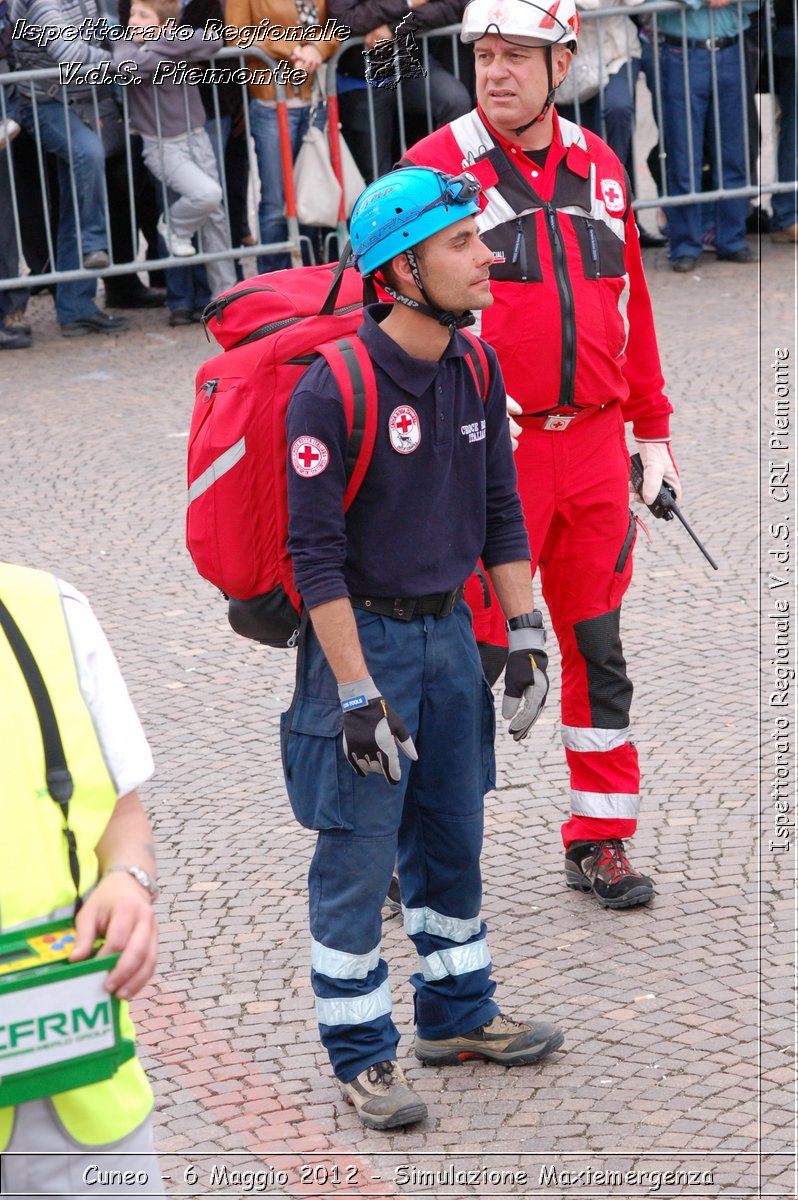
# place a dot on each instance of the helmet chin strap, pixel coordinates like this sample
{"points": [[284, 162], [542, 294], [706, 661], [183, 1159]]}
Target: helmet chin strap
{"points": [[549, 98], [451, 320]]}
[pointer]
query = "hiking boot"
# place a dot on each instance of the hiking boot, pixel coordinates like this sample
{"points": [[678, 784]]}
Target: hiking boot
{"points": [[603, 869], [393, 901], [383, 1098], [502, 1040]]}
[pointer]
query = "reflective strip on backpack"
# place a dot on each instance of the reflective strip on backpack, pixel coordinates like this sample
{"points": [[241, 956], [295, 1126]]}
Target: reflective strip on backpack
{"points": [[224, 463]]}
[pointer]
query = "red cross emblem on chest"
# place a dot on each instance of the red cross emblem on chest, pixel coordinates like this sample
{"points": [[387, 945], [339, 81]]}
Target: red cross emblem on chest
{"points": [[404, 429]]}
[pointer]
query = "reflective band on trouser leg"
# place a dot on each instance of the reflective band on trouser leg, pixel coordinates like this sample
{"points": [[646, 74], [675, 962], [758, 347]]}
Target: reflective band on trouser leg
{"points": [[340, 964], [605, 799], [605, 804], [459, 961], [355, 1023], [359, 1010], [577, 738], [426, 920]]}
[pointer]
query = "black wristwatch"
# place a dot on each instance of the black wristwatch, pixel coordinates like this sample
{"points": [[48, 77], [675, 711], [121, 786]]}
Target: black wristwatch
{"points": [[533, 620]]}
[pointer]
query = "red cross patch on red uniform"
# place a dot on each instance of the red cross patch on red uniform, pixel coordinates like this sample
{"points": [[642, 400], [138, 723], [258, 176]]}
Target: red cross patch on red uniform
{"points": [[404, 429], [309, 456], [612, 192]]}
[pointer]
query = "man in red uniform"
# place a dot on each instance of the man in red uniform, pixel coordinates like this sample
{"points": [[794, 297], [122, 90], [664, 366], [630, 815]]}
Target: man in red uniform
{"points": [[573, 328]]}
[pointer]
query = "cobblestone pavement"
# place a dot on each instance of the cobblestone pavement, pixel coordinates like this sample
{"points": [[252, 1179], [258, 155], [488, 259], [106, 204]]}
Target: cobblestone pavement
{"points": [[663, 1066]]}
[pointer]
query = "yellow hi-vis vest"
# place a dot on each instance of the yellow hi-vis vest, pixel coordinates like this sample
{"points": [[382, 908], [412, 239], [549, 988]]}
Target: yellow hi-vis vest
{"points": [[35, 881]]}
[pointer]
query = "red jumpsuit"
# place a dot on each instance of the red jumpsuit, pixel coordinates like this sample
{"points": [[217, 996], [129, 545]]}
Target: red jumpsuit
{"points": [[573, 328]]}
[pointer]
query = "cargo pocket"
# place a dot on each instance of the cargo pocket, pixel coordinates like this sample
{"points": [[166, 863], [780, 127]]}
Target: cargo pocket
{"points": [[488, 738], [319, 781], [623, 566]]}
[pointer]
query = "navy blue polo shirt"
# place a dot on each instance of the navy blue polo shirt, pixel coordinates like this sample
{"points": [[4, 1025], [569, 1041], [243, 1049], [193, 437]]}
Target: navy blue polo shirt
{"points": [[440, 490]]}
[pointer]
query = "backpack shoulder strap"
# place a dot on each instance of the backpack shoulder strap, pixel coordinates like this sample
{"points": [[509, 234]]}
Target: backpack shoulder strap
{"points": [[352, 368], [477, 360]]}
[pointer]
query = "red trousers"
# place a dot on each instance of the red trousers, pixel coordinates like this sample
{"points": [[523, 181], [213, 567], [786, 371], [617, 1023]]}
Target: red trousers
{"points": [[574, 488]]}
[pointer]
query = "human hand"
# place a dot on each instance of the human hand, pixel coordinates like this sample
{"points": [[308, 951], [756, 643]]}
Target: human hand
{"points": [[307, 58], [658, 468], [526, 683], [514, 409], [120, 910], [373, 732]]}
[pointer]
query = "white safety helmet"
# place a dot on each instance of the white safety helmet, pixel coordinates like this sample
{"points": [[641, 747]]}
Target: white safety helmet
{"points": [[548, 23]]}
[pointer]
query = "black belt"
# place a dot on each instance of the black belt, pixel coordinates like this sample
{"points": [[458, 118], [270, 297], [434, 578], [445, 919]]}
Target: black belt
{"points": [[700, 43], [405, 608]]}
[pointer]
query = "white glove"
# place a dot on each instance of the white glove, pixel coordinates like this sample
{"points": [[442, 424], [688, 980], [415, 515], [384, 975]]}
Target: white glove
{"points": [[658, 468], [514, 409]]}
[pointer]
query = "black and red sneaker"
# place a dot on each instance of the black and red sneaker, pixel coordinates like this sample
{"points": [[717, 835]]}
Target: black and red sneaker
{"points": [[603, 869]]}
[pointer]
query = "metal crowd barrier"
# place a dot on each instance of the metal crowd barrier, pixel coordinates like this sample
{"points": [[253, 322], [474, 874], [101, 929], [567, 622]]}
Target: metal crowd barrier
{"points": [[235, 58]]}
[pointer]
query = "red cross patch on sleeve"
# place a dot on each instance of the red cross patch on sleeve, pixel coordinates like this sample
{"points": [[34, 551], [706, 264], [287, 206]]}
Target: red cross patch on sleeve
{"points": [[309, 456]]}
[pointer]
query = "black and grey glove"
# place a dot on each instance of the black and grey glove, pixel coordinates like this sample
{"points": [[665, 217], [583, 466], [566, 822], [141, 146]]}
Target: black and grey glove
{"points": [[373, 732], [526, 684]]}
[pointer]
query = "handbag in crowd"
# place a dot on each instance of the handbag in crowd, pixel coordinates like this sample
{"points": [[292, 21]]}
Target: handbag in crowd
{"points": [[586, 77], [318, 191]]}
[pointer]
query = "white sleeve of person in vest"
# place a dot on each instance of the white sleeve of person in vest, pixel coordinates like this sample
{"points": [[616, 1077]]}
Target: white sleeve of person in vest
{"points": [[90, 840]]}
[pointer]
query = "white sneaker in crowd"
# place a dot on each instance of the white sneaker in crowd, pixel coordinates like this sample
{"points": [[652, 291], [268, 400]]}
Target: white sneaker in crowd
{"points": [[177, 246]]}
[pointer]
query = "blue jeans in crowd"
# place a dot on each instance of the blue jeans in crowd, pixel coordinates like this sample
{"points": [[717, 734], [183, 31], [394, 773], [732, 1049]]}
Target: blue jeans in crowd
{"points": [[785, 204], [271, 210], [685, 221], [58, 129], [10, 301]]}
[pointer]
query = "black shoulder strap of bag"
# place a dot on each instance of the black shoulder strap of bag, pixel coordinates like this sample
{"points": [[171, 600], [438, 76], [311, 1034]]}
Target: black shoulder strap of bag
{"points": [[57, 774]]}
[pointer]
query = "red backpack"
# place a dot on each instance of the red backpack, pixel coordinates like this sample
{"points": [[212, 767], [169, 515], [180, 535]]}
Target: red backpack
{"points": [[271, 328]]}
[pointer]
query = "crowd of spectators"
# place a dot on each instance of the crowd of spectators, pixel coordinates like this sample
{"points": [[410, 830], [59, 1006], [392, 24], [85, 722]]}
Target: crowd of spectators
{"points": [[69, 167]]}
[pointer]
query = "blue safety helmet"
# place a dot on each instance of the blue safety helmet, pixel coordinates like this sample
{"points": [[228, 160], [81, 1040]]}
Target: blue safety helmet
{"points": [[400, 210]]}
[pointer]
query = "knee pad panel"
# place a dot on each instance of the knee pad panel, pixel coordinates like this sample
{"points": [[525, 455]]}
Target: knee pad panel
{"points": [[598, 640]]}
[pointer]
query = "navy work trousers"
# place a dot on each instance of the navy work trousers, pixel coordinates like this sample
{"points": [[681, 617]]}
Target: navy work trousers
{"points": [[428, 669]]}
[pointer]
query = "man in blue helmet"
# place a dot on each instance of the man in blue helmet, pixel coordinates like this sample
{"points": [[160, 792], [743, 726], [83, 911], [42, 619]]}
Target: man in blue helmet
{"points": [[390, 664]]}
